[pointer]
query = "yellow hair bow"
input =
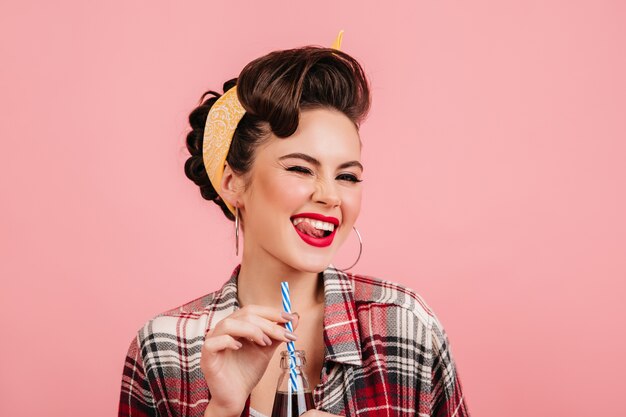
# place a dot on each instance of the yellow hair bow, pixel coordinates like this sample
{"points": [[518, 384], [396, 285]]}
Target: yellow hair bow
{"points": [[337, 43]]}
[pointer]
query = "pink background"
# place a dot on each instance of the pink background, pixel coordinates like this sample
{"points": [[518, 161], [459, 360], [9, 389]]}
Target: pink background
{"points": [[495, 172]]}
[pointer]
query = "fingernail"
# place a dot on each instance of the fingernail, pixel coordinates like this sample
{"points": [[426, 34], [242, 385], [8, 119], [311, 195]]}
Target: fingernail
{"points": [[267, 340], [291, 336], [296, 314], [286, 316]]}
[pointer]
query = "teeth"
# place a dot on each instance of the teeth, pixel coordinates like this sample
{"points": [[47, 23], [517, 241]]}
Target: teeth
{"points": [[318, 224]]}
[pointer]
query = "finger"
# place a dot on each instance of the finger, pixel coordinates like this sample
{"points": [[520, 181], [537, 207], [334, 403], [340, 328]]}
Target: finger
{"points": [[295, 321], [241, 328], [271, 329], [269, 313], [218, 343]]}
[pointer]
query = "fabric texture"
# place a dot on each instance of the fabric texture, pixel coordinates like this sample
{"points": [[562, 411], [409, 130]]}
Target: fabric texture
{"points": [[386, 354], [221, 122]]}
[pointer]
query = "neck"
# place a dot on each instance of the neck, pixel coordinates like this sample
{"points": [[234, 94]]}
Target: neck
{"points": [[259, 283]]}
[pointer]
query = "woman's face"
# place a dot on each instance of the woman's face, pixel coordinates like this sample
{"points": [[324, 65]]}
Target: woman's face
{"points": [[313, 172]]}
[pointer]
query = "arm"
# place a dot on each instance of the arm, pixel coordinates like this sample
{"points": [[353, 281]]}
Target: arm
{"points": [[136, 398], [447, 393]]}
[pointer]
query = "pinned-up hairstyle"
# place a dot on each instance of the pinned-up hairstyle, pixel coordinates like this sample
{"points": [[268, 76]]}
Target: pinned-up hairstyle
{"points": [[274, 89]]}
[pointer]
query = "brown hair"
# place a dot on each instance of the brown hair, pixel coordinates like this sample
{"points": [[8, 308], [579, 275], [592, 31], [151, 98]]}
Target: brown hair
{"points": [[274, 89]]}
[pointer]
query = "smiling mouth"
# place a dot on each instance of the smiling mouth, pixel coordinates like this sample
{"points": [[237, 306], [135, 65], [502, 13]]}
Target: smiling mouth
{"points": [[314, 236], [314, 228]]}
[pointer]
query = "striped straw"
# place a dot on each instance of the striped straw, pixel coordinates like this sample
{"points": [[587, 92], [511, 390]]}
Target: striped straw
{"points": [[284, 286]]}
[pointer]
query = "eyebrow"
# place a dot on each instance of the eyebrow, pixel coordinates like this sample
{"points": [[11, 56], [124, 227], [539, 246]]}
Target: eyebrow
{"points": [[317, 163]]}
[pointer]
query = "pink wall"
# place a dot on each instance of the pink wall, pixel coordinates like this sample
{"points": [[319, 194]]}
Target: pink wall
{"points": [[494, 184]]}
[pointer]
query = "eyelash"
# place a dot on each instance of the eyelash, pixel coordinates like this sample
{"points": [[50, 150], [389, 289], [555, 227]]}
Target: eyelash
{"points": [[303, 170]]}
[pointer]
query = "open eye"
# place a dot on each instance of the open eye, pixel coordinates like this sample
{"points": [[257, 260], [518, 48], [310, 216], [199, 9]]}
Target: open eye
{"points": [[349, 177]]}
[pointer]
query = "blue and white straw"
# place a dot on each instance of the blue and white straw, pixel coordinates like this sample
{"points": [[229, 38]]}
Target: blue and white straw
{"points": [[291, 348]]}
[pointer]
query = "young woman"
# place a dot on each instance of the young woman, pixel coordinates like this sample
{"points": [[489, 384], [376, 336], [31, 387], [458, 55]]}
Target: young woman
{"points": [[279, 152]]}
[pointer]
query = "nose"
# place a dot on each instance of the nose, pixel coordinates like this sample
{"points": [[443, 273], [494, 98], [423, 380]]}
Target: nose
{"points": [[326, 193]]}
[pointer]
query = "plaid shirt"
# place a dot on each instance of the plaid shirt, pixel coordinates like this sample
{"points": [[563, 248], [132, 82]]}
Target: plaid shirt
{"points": [[386, 354]]}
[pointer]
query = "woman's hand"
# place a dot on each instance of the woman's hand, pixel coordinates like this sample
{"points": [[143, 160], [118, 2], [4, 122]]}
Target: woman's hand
{"points": [[237, 351]]}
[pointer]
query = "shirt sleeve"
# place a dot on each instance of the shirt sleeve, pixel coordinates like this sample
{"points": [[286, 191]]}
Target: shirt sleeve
{"points": [[447, 393], [136, 399]]}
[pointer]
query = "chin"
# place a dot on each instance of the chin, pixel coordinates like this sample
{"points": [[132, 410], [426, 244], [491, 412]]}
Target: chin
{"points": [[315, 264]]}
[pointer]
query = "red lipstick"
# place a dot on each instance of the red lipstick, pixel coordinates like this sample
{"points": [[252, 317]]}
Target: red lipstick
{"points": [[319, 242], [316, 216]]}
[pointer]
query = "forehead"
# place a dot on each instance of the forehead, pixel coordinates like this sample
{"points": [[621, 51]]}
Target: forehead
{"points": [[324, 133]]}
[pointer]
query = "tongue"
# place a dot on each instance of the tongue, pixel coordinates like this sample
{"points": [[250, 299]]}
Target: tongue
{"points": [[308, 229]]}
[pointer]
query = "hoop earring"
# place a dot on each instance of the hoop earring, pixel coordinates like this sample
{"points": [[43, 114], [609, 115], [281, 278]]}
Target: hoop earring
{"points": [[360, 250], [236, 231]]}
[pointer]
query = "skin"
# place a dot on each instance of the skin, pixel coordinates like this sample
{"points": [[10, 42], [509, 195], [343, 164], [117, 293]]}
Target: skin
{"points": [[274, 252]]}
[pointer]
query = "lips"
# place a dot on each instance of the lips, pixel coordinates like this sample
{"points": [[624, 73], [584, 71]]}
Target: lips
{"points": [[319, 242], [317, 216]]}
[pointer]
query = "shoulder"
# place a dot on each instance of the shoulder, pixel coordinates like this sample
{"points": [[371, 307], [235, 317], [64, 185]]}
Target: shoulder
{"points": [[369, 290], [187, 321], [376, 290]]}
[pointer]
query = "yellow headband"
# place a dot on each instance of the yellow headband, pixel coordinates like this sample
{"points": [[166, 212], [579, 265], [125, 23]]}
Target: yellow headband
{"points": [[219, 129]]}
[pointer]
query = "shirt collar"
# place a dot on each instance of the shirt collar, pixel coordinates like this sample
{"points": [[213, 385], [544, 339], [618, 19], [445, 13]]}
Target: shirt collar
{"points": [[341, 329]]}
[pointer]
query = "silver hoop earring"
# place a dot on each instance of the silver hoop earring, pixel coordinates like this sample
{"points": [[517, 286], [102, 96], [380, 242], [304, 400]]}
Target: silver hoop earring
{"points": [[236, 231], [360, 250]]}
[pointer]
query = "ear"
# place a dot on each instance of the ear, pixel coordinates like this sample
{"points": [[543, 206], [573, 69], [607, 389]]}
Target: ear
{"points": [[232, 186]]}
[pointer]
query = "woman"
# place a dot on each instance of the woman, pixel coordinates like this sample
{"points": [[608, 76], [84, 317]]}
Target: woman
{"points": [[280, 154]]}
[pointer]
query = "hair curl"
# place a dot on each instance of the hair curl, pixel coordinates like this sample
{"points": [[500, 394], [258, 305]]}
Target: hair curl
{"points": [[274, 89]]}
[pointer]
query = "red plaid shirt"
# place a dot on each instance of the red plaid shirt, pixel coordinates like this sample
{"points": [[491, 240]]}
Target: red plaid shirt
{"points": [[386, 354]]}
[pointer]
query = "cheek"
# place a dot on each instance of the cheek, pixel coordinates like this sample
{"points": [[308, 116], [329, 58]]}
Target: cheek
{"points": [[288, 192], [351, 202]]}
